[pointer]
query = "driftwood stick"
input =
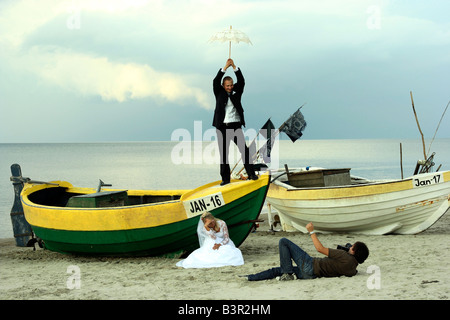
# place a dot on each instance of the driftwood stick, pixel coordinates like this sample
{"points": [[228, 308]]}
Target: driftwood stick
{"points": [[418, 125], [401, 160]]}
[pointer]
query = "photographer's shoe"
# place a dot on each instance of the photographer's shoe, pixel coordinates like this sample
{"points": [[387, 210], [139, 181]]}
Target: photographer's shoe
{"points": [[287, 277]]}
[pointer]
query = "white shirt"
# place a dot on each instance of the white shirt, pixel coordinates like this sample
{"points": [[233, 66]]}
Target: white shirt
{"points": [[231, 114]]}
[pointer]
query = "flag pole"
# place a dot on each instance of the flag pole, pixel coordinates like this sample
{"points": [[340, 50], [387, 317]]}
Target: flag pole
{"points": [[277, 133], [248, 148], [257, 153]]}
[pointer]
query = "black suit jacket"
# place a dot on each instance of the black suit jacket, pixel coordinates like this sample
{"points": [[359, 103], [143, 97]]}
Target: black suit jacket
{"points": [[222, 98]]}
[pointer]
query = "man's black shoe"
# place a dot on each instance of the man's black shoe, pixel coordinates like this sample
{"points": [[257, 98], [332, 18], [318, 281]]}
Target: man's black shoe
{"points": [[224, 183], [253, 177]]}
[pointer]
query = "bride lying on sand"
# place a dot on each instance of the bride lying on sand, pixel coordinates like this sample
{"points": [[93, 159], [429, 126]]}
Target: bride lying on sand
{"points": [[216, 247]]}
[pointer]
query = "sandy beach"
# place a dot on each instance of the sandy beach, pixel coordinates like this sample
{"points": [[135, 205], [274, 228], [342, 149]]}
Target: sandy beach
{"points": [[399, 267]]}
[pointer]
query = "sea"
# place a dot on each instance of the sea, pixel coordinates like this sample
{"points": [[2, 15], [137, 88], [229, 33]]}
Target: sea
{"points": [[187, 165]]}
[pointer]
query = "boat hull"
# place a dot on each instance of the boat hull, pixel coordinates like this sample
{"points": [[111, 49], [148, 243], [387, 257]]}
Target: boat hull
{"points": [[407, 206], [150, 230]]}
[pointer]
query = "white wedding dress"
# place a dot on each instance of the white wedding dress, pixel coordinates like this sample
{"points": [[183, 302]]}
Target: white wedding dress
{"points": [[206, 257]]}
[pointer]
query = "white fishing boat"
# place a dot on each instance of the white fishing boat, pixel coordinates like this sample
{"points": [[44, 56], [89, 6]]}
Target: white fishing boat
{"points": [[335, 201]]}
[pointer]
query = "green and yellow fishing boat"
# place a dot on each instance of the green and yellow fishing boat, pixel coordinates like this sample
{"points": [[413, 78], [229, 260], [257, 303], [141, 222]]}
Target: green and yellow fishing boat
{"points": [[137, 222]]}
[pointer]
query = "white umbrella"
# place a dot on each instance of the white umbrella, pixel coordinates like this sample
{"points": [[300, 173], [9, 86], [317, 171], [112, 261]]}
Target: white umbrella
{"points": [[230, 35]]}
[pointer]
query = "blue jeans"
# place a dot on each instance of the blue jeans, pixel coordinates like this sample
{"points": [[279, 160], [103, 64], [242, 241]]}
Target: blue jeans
{"points": [[288, 251]]}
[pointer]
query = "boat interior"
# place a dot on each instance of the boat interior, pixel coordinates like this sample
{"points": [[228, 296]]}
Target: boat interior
{"points": [[318, 177], [62, 197]]}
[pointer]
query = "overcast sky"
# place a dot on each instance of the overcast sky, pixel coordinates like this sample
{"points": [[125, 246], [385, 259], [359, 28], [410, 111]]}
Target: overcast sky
{"points": [[81, 71]]}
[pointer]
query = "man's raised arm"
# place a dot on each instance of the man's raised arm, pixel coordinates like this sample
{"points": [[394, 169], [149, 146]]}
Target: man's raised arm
{"points": [[315, 239]]}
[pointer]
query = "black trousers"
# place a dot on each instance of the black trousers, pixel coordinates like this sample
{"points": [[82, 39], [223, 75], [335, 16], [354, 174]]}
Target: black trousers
{"points": [[225, 134]]}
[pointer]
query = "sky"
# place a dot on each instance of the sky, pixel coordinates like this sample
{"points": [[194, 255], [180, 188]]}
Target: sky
{"points": [[116, 70]]}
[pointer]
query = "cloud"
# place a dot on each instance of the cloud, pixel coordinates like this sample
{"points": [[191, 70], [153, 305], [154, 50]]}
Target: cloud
{"points": [[84, 72], [364, 54], [112, 81]]}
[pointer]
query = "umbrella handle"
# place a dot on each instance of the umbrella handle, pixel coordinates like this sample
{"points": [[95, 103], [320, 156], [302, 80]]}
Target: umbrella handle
{"points": [[229, 47]]}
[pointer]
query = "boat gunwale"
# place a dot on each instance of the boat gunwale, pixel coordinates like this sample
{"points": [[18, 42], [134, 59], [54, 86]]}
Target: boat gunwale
{"points": [[133, 193], [363, 184], [125, 207], [184, 194], [370, 183], [24, 197]]}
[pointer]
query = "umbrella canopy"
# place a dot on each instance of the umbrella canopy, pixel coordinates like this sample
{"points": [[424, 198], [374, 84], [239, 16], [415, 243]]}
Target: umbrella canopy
{"points": [[230, 35]]}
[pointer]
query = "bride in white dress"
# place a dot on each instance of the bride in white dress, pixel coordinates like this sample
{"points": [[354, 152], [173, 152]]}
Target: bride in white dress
{"points": [[216, 247]]}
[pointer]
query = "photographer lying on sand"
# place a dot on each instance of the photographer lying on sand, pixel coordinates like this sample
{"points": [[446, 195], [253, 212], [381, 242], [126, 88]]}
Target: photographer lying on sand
{"points": [[339, 262]]}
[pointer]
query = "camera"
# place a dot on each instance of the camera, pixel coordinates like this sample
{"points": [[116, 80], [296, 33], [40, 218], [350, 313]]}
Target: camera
{"points": [[345, 248]]}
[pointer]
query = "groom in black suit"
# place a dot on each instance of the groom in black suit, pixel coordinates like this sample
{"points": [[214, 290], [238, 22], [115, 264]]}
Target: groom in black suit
{"points": [[229, 119]]}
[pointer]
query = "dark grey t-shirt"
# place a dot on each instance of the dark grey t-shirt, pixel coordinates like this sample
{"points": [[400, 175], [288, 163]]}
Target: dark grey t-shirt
{"points": [[338, 263]]}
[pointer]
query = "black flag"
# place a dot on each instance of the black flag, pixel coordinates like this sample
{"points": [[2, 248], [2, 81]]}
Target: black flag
{"points": [[294, 126]]}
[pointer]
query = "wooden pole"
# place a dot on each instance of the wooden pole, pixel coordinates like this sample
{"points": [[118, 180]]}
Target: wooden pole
{"points": [[418, 125], [401, 160], [438, 126], [21, 228]]}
